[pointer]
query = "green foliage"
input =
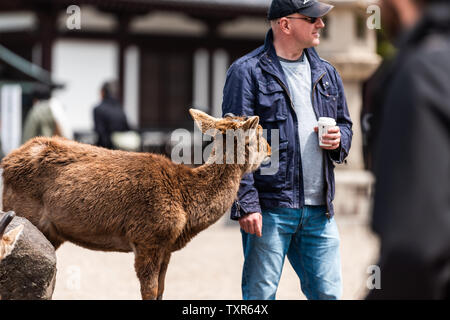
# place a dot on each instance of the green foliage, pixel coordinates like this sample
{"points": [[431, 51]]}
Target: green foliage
{"points": [[385, 48]]}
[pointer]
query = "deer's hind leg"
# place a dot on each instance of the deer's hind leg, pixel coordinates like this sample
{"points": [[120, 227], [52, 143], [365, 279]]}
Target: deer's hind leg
{"points": [[50, 232], [34, 211], [162, 274], [22, 205]]}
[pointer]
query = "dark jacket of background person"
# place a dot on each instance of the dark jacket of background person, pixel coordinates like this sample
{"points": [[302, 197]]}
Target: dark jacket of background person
{"points": [[256, 85], [412, 164], [108, 118]]}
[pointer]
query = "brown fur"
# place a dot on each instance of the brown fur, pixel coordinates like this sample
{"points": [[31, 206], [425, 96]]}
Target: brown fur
{"points": [[123, 201]]}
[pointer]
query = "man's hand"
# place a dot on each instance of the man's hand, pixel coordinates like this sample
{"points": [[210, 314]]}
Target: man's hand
{"points": [[332, 138], [252, 223]]}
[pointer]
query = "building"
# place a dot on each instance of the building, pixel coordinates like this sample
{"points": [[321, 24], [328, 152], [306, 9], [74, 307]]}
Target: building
{"points": [[170, 55], [20, 82]]}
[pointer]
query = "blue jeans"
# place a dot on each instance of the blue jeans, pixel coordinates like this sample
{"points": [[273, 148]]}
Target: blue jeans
{"points": [[311, 243]]}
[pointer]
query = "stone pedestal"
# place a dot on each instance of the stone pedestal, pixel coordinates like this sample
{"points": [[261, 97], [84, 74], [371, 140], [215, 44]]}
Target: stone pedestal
{"points": [[28, 272]]}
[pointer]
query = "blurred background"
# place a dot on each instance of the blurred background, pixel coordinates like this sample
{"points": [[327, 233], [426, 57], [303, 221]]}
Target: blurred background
{"points": [[168, 56]]}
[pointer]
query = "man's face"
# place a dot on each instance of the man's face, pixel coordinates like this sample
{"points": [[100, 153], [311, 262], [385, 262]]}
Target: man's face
{"points": [[305, 33]]}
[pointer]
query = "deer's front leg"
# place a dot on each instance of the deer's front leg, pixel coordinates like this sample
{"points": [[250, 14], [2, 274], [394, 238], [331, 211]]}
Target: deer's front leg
{"points": [[147, 265]]}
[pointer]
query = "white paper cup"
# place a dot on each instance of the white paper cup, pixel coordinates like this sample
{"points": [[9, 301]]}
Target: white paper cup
{"points": [[324, 124]]}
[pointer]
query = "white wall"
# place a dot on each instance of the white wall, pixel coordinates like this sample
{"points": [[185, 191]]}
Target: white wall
{"points": [[132, 85], [201, 80], [220, 65], [83, 66]]}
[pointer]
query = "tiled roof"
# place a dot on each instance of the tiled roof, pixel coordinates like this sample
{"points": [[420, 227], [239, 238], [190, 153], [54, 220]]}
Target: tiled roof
{"points": [[215, 7], [255, 3]]}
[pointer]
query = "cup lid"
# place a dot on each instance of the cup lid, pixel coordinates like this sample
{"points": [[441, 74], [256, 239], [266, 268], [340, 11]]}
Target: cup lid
{"points": [[327, 120]]}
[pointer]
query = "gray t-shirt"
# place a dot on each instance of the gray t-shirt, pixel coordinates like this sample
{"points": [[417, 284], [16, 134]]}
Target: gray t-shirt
{"points": [[298, 76]]}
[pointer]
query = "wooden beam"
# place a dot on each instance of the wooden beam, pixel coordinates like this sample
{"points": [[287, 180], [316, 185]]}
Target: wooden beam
{"points": [[122, 37], [46, 34], [162, 42]]}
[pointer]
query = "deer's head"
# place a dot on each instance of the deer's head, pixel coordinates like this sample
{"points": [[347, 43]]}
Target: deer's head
{"points": [[237, 140], [8, 240]]}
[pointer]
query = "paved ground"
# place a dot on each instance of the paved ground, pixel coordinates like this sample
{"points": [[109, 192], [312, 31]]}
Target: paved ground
{"points": [[209, 267]]}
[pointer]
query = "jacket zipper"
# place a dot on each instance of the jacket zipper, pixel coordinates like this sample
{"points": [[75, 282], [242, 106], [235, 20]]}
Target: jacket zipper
{"points": [[317, 118], [287, 91], [325, 163], [312, 94], [293, 109]]}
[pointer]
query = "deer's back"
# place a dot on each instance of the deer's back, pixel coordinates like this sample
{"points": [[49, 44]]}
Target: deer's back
{"points": [[86, 187]]}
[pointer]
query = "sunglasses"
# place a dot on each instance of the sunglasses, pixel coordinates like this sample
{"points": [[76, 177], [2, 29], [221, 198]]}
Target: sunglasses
{"points": [[309, 19]]}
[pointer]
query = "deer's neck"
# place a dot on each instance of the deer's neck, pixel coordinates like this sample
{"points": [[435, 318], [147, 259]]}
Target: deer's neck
{"points": [[213, 193]]}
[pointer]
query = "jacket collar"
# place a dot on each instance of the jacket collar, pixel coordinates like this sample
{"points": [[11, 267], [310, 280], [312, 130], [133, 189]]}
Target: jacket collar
{"points": [[270, 63]]}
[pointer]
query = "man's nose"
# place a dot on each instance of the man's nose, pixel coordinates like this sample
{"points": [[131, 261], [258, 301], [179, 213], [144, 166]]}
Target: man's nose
{"points": [[320, 24]]}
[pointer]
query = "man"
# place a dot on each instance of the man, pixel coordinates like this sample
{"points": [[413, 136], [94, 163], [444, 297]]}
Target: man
{"points": [[109, 116], [412, 153], [290, 213]]}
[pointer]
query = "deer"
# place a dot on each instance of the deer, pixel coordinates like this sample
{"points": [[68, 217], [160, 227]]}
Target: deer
{"points": [[112, 200]]}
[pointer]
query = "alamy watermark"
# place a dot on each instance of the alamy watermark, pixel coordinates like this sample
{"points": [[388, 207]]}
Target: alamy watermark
{"points": [[225, 148], [374, 280], [73, 21], [73, 282], [374, 21]]}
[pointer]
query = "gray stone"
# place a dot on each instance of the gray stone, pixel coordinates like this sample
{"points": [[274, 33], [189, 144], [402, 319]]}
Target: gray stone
{"points": [[29, 271]]}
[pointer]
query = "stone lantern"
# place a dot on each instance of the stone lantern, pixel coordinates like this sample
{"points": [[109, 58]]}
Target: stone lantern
{"points": [[350, 46], [349, 43]]}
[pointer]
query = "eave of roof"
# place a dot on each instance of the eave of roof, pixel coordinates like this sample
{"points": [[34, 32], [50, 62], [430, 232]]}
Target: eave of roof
{"points": [[27, 70]]}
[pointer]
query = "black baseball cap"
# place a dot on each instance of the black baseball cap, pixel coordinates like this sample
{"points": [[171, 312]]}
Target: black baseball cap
{"points": [[309, 8]]}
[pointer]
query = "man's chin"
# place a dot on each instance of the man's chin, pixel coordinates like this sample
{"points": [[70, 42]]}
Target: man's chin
{"points": [[315, 43]]}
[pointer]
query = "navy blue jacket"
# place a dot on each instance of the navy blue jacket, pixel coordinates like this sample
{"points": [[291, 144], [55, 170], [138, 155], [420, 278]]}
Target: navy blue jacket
{"points": [[256, 85]]}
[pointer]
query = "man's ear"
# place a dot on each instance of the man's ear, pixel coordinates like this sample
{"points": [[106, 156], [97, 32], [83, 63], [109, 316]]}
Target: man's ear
{"points": [[251, 123], [284, 26], [205, 122]]}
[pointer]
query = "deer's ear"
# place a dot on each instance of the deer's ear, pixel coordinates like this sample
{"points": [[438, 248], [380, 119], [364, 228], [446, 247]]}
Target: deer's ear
{"points": [[8, 241], [205, 122], [251, 123], [12, 236]]}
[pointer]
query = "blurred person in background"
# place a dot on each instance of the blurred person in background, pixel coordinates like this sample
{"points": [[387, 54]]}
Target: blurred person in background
{"points": [[46, 117], [290, 213], [109, 116], [410, 150]]}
